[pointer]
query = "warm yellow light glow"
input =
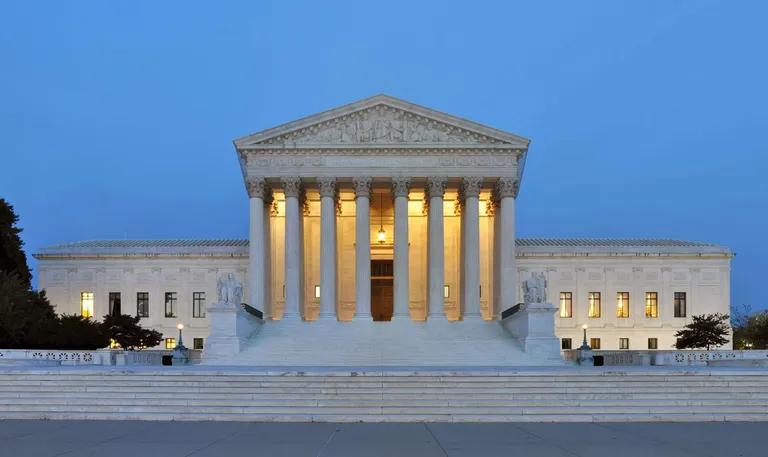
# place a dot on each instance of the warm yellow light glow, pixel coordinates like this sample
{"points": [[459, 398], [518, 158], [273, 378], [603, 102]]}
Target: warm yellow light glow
{"points": [[382, 235], [180, 326], [317, 291], [584, 327], [86, 304]]}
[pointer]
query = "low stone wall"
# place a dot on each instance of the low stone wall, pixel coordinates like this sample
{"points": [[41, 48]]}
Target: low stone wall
{"points": [[683, 357], [88, 357]]}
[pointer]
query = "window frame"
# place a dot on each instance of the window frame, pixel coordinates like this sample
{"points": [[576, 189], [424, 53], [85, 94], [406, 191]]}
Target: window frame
{"points": [[680, 303], [623, 346], [594, 302], [622, 305], [655, 343], [198, 305], [566, 305], [652, 305], [172, 299], [563, 344], [142, 304], [592, 343], [87, 299], [198, 340], [111, 303], [170, 343]]}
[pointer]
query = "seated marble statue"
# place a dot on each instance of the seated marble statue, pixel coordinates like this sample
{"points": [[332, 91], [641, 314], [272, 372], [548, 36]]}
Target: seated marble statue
{"points": [[535, 288], [230, 290]]}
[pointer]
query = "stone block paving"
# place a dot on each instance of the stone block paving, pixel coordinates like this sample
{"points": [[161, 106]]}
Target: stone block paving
{"points": [[34, 438]]}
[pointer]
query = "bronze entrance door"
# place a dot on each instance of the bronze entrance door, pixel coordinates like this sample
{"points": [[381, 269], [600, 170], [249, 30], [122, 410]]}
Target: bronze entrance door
{"points": [[382, 284]]}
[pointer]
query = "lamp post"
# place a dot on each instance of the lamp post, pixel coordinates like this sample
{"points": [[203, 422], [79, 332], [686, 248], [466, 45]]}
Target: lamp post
{"points": [[180, 356], [585, 352]]}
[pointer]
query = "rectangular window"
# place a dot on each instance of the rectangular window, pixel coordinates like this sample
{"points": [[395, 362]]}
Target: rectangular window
{"points": [[317, 291], [170, 304], [680, 304], [566, 304], [198, 343], [622, 304], [651, 304], [170, 343], [198, 304], [566, 343], [594, 343], [142, 304], [623, 343], [653, 343], [594, 304], [114, 304], [86, 304], [446, 291]]}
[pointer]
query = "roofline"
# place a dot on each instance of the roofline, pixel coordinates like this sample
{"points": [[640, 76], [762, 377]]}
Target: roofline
{"points": [[372, 101]]}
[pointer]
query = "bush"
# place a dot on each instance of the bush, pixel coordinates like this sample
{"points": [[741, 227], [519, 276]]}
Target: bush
{"points": [[27, 319], [705, 331], [126, 331], [78, 332]]}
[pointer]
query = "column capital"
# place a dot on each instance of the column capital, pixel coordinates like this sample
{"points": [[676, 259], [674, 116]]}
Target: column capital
{"points": [[327, 186], [257, 187], [292, 186], [362, 186], [506, 187], [470, 186], [401, 185], [436, 186]]}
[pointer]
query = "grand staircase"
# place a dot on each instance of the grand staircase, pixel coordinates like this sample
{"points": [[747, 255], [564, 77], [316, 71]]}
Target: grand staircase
{"points": [[376, 394]]}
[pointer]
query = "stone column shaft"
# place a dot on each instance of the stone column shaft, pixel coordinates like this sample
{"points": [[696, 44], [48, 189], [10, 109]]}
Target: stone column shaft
{"points": [[471, 248], [258, 243], [294, 296], [505, 276], [400, 188], [327, 248], [436, 248], [362, 248]]}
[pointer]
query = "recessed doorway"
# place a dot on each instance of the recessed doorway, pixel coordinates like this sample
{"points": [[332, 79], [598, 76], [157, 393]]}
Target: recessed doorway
{"points": [[382, 284]]}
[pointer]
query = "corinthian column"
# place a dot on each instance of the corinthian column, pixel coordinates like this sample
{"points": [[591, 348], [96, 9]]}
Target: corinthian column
{"points": [[327, 247], [504, 263], [294, 296], [470, 238], [258, 248], [362, 247], [436, 254], [400, 188]]}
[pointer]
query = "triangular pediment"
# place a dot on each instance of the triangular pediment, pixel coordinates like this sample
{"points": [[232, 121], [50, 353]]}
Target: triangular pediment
{"points": [[381, 120]]}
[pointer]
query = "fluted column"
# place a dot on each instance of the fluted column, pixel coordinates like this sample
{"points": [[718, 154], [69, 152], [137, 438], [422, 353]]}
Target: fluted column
{"points": [[436, 249], [505, 267], [294, 296], [470, 238], [327, 247], [400, 189], [258, 248], [362, 248]]}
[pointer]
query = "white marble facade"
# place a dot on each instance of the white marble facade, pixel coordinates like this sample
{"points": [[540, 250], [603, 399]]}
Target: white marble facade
{"points": [[442, 190]]}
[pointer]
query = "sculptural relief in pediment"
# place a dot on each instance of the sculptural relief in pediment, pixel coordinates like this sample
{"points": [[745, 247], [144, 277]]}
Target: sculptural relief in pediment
{"points": [[382, 125]]}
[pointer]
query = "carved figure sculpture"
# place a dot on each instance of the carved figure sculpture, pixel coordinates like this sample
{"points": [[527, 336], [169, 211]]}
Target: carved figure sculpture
{"points": [[535, 288], [230, 290]]}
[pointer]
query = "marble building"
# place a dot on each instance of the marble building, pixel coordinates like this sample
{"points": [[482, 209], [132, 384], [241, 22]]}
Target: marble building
{"points": [[386, 218]]}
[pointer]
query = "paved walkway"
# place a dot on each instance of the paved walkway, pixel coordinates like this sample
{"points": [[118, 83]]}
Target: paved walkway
{"points": [[224, 439]]}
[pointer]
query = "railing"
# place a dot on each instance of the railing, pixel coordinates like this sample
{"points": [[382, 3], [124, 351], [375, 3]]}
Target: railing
{"points": [[682, 357], [89, 357]]}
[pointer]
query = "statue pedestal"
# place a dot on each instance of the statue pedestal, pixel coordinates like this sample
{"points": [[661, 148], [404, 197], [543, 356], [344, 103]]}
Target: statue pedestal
{"points": [[231, 326], [533, 324]]}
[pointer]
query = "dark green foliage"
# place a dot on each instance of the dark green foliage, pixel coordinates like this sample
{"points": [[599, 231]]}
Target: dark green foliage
{"points": [[12, 258], [705, 331], [77, 332], [127, 332], [26, 317], [750, 330]]}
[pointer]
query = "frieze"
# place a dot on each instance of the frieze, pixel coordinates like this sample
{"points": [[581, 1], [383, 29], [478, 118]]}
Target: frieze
{"points": [[381, 124]]}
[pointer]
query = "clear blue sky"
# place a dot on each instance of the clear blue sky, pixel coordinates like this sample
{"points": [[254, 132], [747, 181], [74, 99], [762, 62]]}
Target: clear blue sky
{"points": [[647, 117]]}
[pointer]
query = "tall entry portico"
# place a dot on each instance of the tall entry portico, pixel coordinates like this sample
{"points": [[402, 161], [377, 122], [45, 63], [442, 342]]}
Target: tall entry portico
{"points": [[332, 192], [386, 231]]}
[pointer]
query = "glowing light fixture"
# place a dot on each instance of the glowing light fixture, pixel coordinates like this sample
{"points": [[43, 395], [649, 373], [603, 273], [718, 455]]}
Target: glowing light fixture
{"points": [[382, 236]]}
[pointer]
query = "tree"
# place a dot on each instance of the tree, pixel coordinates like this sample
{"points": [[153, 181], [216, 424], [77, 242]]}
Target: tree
{"points": [[78, 332], [125, 330], [705, 331], [26, 316], [753, 333], [12, 257]]}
